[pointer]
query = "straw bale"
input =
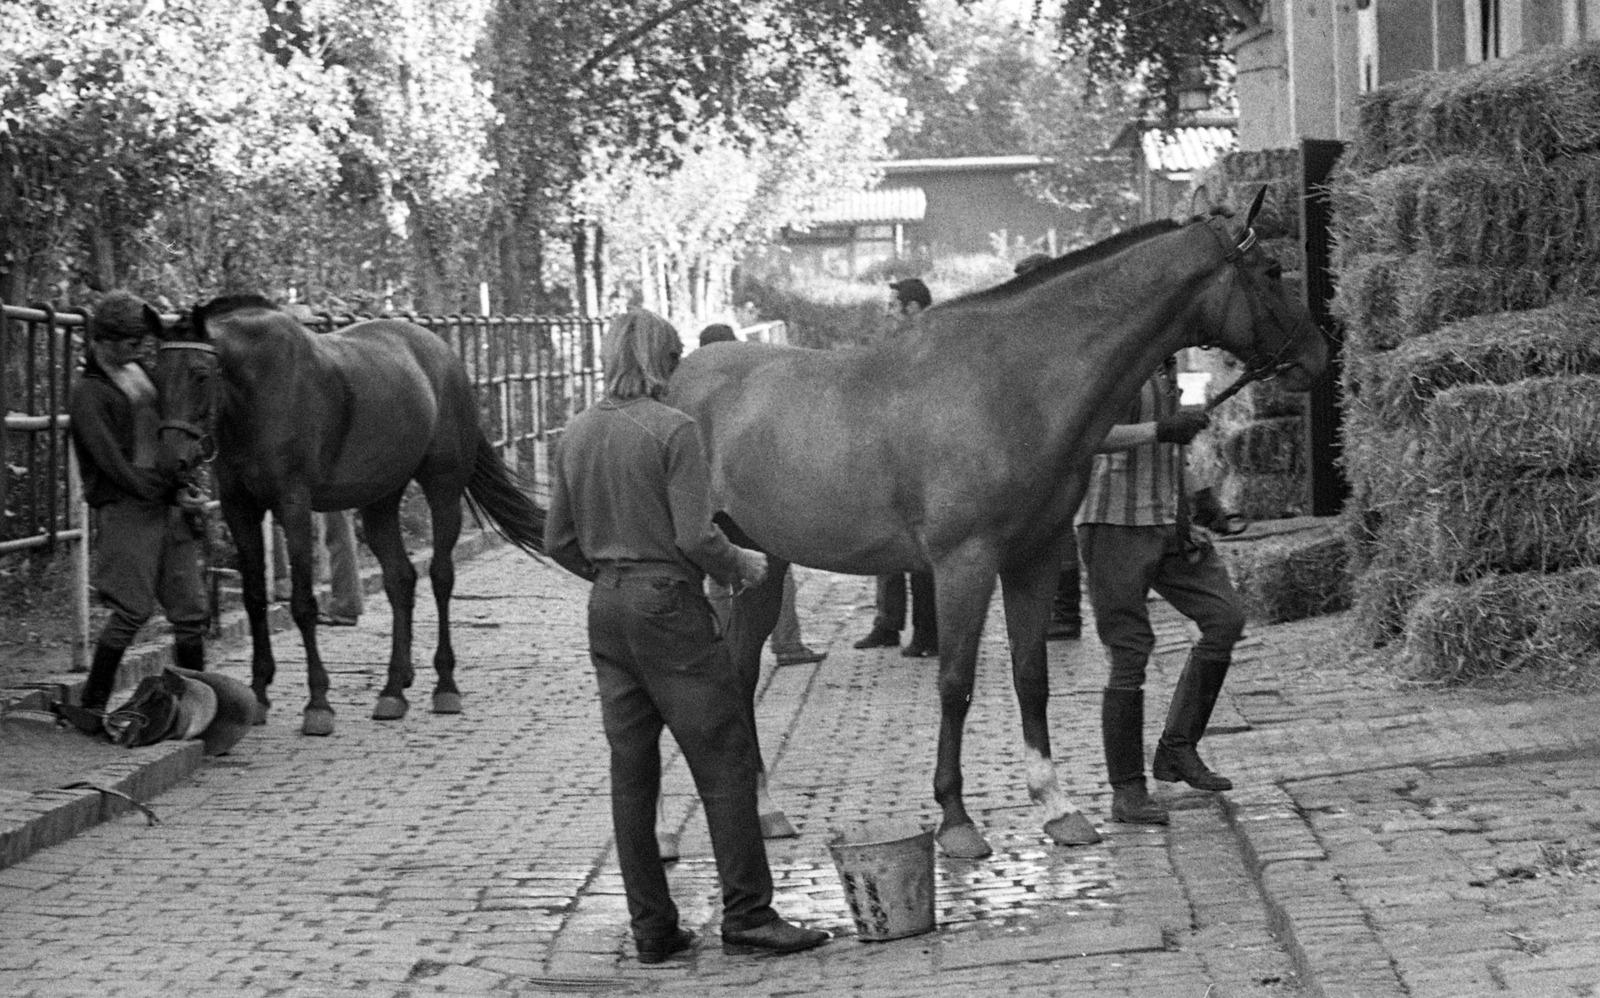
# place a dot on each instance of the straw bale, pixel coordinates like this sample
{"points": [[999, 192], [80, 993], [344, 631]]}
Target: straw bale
{"points": [[1562, 338], [1537, 106], [1505, 623], [1537, 426], [1263, 497], [1485, 525], [1432, 296], [1474, 210], [1291, 576], [1395, 571], [1367, 300], [1267, 447], [1573, 204], [1377, 212], [1388, 461]]}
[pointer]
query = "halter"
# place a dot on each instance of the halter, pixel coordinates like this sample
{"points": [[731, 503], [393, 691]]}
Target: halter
{"points": [[201, 434], [1259, 367]]}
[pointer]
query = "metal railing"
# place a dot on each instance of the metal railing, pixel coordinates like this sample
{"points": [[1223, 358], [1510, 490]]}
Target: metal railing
{"points": [[531, 374]]}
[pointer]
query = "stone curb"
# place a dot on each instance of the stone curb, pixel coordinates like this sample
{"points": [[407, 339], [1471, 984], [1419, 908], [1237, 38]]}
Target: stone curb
{"points": [[50, 817]]}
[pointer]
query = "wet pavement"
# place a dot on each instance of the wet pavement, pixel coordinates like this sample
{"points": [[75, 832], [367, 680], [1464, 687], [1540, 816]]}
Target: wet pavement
{"points": [[1383, 841]]}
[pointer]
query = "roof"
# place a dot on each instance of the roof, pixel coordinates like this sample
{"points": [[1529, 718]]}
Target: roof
{"points": [[1185, 150], [959, 164], [889, 204]]}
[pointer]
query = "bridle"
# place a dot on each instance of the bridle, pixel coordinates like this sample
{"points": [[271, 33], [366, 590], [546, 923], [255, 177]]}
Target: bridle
{"points": [[1261, 365], [201, 434]]}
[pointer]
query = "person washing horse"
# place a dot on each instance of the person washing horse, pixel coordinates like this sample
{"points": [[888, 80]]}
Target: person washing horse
{"points": [[787, 645], [147, 548], [911, 296], [631, 512], [1135, 534]]}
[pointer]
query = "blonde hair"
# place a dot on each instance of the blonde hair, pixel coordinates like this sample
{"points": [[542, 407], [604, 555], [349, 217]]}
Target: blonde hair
{"points": [[638, 355]]}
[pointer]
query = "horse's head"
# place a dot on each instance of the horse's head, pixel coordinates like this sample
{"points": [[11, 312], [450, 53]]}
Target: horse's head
{"points": [[1249, 312], [186, 384]]}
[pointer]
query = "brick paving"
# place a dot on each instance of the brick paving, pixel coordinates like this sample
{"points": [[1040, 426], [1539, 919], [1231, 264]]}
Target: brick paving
{"points": [[1383, 841]]}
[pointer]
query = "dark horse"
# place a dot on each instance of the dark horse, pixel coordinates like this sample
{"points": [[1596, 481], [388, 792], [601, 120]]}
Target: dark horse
{"points": [[305, 422], [963, 445]]}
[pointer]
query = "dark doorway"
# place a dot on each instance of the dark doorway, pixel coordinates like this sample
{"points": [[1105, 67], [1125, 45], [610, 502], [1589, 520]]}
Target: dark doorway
{"points": [[1327, 483]]}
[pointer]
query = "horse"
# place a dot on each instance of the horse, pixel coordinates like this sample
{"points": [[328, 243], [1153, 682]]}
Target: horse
{"points": [[298, 422], [962, 447]]}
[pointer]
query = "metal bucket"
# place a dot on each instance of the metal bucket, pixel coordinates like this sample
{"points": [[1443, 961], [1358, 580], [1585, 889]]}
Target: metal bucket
{"points": [[887, 873]]}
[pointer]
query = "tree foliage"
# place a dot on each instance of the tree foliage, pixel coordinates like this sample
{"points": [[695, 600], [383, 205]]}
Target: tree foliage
{"points": [[1153, 41]]}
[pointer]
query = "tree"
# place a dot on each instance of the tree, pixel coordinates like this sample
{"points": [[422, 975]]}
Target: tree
{"points": [[1157, 42], [987, 78], [577, 83]]}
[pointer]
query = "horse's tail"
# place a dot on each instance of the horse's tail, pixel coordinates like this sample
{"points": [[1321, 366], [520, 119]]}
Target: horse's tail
{"points": [[494, 495]]}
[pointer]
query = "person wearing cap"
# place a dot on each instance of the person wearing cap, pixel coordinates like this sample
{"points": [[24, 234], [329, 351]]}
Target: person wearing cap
{"points": [[1134, 535], [630, 511], [146, 551], [787, 645], [1066, 611], [911, 296]]}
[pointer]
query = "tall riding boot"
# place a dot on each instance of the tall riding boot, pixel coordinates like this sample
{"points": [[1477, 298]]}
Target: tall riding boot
{"points": [[1177, 755], [1122, 729], [1066, 613], [190, 653], [102, 676]]}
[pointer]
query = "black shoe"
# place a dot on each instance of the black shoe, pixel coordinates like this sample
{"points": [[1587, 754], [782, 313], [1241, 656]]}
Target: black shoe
{"points": [[658, 950], [919, 648], [880, 637], [1064, 630], [1185, 765], [1131, 805], [776, 937]]}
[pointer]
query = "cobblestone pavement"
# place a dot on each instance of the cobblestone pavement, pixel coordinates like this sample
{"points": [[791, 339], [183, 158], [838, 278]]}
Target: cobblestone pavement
{"points": [[1382, 842]]}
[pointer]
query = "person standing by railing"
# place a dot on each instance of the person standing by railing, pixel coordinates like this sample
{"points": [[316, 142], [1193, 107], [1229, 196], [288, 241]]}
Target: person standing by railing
{"points": [[147, 550]]}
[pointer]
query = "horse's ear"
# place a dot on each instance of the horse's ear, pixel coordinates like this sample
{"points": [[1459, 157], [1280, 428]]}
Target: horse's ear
{"points": [[1255, 207], [153, 326]]}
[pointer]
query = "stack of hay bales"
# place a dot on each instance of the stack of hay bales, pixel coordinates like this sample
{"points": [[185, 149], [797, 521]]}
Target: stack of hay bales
{"points": [[1255, 453], [1467, 215]]}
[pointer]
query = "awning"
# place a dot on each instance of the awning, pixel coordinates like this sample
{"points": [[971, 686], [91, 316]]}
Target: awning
{"points": [[889, 204], [1185, 150]]}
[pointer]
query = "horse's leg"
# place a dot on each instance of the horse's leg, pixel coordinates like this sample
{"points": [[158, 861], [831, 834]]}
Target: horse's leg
{"points": [[444, 503], [244, 519], [300, 535], [755, 614], [1028, 591], [381, 522], [963, 584]]}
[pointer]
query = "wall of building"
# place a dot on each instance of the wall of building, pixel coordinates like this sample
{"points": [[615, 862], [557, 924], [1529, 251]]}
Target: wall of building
{"points": [[969, 211]]}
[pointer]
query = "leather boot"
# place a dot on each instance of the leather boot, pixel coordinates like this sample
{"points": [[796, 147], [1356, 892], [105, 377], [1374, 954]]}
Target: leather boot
{"points": [[190, 653], [102, 676], [1122, 730], [1177, 756], [1066, 614]]}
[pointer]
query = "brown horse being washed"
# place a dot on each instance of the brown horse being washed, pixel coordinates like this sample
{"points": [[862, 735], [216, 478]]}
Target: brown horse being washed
{"points": [[304, 422], [963, 446]]}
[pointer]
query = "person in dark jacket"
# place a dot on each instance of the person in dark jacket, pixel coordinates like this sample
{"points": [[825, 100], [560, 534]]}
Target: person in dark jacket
{"points": [[911, 297], [630, 511], [146, 550]]}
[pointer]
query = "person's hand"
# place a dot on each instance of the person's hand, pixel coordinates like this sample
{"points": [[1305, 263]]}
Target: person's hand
{"points": [[752, 569], [1182, 426]]}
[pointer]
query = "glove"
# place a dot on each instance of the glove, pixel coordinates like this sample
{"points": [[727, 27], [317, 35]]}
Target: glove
{"points": [[1182, 426], [752, 569]]}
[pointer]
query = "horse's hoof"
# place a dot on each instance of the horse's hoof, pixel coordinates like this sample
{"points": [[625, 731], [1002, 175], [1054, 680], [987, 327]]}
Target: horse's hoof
{"points": [[775, 825], [963, 842], [447, 703], [317, 721], [260, 716], [390, 708], [1074, 829]]}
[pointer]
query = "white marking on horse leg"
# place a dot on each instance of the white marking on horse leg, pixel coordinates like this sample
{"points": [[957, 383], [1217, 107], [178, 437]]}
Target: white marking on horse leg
{"points": [[764, 804], [1044, 787]]}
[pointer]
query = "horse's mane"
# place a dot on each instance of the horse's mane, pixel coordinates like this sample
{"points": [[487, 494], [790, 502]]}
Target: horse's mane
{"points": [[223, 304], [1093, 253]]}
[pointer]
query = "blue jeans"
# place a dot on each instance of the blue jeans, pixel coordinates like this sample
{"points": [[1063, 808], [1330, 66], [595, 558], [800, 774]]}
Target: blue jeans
{"points": [[659, 662]]}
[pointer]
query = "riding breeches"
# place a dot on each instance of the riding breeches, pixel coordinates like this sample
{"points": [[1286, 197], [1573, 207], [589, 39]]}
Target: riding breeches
{"points": [[659, 661], [146, 555], [1123, 564]]}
